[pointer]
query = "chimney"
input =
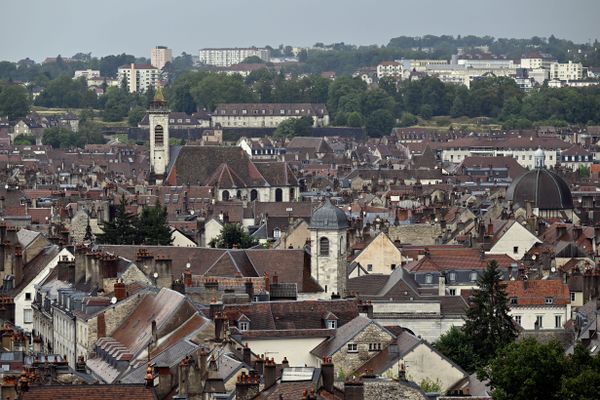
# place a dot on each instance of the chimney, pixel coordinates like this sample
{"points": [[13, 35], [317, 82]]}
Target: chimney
{"points": [[577, 231], [260, 364], [18, 266], [270, 373], [149, 377], [101, 325], [66, 270], [490, 229], [183, 371], [108, 265], [187, 277], [285, 363], [154, 334], [354, 390], [249, 289], [247, 386], [327, 374], [275, 279], [120, 290], [366, 308], [80, 262], [219, 326], [163, 267], [247, 355], [442, 285], [214, 308]]}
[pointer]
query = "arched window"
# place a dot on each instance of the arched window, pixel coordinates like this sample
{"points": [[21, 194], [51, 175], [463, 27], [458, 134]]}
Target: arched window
{"points": [[159, 135], [278, 195], [225, 195], [253, 195], [292, 194], [238, 194], [323, 246]]}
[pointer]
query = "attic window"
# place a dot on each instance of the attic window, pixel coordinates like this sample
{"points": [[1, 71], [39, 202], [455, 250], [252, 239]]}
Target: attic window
{"points": [[331, 324], [473, 276], [352, 348], [276, 233], [549, 300], [452, 276], [428, 278], [513, 300], [243, 326], [515, 249]]}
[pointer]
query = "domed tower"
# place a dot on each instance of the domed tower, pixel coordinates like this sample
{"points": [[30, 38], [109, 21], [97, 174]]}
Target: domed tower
{"points": [[544, 191], [328, 245], [158, 115]]}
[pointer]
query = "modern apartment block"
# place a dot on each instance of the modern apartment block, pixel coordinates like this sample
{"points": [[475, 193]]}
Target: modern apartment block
{"points": [[139, 77], [566, 71], [160, 55], [226, 57]]}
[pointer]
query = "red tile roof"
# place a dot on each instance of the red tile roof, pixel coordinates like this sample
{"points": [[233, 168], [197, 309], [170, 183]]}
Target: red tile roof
{"points": [[535, 292], [90, 392]]}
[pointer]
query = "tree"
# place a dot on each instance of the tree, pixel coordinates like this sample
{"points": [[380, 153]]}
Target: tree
{"points": [[488, 325], [136, 114], [294, 127], [121, 229], [354, 119], [455, 345], [233, 235], [253, 60], [24, 139], [152, 227], [527, 370], [379, 123], [14, 101]]}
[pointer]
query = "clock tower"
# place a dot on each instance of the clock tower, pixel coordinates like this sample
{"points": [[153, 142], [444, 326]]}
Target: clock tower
{"points": [[158, 115]]}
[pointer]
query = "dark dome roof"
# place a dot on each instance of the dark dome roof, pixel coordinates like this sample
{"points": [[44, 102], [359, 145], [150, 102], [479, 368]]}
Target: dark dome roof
{"points": [[328, 216], [544, 189]]}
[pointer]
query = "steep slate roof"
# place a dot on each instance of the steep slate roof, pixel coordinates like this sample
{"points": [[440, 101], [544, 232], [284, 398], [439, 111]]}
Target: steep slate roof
{"points": [[343, 335], [535, 292]]}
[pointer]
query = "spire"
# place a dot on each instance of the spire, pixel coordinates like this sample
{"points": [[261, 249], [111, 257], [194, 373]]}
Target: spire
{"points": [[158, 96]]}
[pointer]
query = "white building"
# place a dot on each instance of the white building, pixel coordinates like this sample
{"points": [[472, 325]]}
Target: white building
{"points": [[139, 77], [225, 57], [86, 73], [566, 71], [539, 304], [391, 69], [160, 55], [262, 115]]}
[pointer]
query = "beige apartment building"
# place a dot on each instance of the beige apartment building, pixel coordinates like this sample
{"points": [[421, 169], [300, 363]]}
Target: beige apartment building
{"points": [[160, 56], [139, 77]]}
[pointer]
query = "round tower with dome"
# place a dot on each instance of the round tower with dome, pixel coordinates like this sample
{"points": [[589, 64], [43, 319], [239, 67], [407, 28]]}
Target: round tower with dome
{"points": [[543, 190]]}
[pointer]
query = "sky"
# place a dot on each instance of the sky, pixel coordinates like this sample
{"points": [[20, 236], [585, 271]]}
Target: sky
{"points": [[43, 28]]}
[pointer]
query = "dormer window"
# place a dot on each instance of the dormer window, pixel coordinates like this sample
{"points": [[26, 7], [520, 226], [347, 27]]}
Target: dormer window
{"points": [[473, 276], [513, 300], [244, 326], [331, 324], [428, 278], [452, 276], [549, 300]]}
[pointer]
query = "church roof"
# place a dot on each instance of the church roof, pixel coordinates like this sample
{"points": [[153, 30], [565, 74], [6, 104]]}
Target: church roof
{"points": [[541, 187], [328, 216]]}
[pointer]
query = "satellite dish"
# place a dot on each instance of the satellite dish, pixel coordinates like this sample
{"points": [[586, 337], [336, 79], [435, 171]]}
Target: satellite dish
{"points": [[188, 265], [553, 269], [113, 300], [191, 212], [155, 275]]}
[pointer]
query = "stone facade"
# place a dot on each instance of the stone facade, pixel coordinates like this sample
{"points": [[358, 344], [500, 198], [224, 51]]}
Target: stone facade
{"points": [[381, 256], [329, 269], [416, 234], [390, 390], [347, 361], [159, 140]]}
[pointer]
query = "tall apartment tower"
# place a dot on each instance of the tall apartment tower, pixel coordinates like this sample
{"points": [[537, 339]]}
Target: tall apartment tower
{"points": [[160, 55], [158, 115]]}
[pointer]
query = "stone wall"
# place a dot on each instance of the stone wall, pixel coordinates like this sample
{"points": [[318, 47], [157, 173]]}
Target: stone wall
{"points": [[416, 234], [391, 390]]}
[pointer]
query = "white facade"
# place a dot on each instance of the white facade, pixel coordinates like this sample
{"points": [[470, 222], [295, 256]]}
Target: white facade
{"points": [[86, 73], [160, 55], [515, 242], [23, 300], [523, 156], [389, 69], [328, 259], [139, 77], [297, 350], [226, 57], [566, 71], [546, 317]]}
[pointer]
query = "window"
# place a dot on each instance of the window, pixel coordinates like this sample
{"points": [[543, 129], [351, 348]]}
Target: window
{"points": [[515, 249], [28, 296], [158, 135], [513, 300], [473, 276], [518, 319], [549, 300], [572, 296], [369, 267], [374, 346], [428, 278], [558, 321], [323, 246], [331, 324], [352, 348], [393, 267], [28, 315], [452, 292], [539, 322], [452, 276], [276, 233], [244, 326]]}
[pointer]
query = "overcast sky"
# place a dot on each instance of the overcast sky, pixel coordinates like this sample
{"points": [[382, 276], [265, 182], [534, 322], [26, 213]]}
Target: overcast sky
{"points": [[42, 28]]}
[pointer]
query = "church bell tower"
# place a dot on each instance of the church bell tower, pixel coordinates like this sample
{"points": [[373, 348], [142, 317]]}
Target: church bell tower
{"points": [[158, 115]]}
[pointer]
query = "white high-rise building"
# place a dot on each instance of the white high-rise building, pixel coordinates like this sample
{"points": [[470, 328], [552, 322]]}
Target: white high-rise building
{"points": [[160, 55], [139, 77], [226, 57], [566, 71]]}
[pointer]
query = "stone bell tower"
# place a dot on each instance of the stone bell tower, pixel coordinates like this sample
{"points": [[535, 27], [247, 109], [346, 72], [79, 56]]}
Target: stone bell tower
{"points": [[158, 115]]}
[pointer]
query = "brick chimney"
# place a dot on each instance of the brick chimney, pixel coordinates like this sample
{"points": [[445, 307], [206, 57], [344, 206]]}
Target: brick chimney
{"points": [[219, 322], [18, 266], [247, 387], [120, 290], [270, 373], [354, 390], [214, 308], [327, 374], [249, 286], [163, 267], [183, 372], [260, 365], [247, 355], [66, 269], [285, 363]]}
